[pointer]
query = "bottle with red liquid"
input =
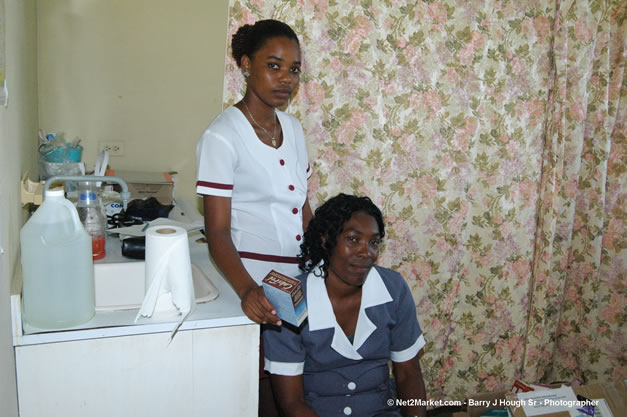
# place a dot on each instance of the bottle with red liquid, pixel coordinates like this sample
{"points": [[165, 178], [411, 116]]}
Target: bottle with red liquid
{"points": [[92, 216]]}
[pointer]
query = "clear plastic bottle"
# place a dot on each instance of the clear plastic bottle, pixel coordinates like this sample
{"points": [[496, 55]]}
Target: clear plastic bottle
{"points": [[57, 266], [92, 216]]}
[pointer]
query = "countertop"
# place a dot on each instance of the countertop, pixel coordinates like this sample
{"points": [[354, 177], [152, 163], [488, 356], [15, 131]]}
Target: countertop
{"points": [[223, 311]]}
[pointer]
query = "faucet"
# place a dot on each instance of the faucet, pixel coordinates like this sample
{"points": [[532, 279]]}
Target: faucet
{"points": [[125, 194]]}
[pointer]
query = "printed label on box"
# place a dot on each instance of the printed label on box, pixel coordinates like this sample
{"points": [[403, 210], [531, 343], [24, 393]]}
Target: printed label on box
{"points": [[286, 295]]}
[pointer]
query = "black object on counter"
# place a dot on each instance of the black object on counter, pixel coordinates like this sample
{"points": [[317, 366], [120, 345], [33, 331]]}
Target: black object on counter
{"points": [[148, 209], [121, 219], [134, 247]]}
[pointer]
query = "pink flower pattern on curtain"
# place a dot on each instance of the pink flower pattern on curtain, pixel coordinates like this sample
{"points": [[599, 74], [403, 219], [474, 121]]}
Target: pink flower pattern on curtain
{"points": [[492, 134]]}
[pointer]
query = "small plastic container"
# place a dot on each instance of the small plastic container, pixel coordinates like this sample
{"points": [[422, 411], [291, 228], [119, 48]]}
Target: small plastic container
{"points": [[91, 214], [57, 266]]}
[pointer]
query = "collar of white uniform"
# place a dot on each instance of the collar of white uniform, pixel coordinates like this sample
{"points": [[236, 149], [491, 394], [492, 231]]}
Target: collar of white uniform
{"points": [[321, 316]]}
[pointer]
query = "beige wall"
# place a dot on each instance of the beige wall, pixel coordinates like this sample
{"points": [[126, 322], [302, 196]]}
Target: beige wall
{"points": [[148, 73], [145, 72], [18, 132]]}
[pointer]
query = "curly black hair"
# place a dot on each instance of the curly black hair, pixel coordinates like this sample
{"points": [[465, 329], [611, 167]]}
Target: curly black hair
{"points": [[250, 38], [327, 223]]}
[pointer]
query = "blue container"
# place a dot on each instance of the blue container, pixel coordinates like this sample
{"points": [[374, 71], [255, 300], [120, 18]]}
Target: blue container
{"points": [[54, 155], [65, 154], [74, 154]]}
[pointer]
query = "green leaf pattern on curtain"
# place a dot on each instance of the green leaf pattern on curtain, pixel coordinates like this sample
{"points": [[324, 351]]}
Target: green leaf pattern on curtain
{"points": [[578, 307], [492, 135]]}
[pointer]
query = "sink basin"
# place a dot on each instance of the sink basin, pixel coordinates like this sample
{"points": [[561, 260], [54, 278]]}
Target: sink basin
{"points": [[121, 285]]}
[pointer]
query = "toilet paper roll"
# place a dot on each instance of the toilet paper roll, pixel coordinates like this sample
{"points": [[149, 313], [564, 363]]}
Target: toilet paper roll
{"points": [[170, 289]]}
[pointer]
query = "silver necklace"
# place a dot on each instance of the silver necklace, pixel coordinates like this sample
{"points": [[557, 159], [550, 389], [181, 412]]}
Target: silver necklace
{"points": [[273, 136]]}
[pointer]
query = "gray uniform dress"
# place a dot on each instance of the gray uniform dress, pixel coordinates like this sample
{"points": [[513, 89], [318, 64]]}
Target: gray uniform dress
{"points": [[349, 376]]}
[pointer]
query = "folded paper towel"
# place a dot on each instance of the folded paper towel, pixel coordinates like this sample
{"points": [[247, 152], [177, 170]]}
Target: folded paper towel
{"points": [[170, 289]]}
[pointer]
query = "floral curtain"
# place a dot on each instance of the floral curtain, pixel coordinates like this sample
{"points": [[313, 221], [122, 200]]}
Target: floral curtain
{"points": [[492, 135]]}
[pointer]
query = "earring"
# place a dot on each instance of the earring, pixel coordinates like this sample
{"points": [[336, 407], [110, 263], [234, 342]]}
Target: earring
{"points": [[246, 74]]}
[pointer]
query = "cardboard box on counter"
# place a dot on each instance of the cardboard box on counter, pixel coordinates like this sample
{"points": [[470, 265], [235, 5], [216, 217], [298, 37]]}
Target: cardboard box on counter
{"points": [[148, 184], [614, 394]]}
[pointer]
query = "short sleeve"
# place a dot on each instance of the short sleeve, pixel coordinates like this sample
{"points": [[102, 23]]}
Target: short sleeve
{"points": [[216, 161], [284, 353], [407, 337]]}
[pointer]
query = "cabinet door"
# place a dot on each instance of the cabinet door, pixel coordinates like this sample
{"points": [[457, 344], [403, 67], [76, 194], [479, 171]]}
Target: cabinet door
{"points": [[208, 372], [226, 371]]}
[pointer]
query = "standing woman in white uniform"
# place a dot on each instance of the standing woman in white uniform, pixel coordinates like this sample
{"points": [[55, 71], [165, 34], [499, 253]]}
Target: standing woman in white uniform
{"points": [[253, 169]]}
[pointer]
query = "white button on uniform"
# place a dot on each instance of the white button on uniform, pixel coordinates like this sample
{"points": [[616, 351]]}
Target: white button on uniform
{"points": [[352, 386], [348, 411]]}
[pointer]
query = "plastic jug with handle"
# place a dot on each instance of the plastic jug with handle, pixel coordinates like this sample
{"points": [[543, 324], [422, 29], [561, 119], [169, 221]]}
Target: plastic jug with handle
{"points": [[57, 266]]}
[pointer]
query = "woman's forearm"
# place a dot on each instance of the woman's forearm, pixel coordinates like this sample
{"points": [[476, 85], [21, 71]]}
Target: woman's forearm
{"points": [[255, 305], [410, 386], [217, 213], [307, 214], [228, 261], [253, 300], [290, 396], [298, 410]]}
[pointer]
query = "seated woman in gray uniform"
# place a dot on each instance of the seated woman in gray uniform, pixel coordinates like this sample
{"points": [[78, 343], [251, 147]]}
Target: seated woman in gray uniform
{"points": [[360, 316]]}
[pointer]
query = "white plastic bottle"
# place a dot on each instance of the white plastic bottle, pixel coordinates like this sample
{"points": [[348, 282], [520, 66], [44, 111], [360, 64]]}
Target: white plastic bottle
{"points": [[57, 266]]}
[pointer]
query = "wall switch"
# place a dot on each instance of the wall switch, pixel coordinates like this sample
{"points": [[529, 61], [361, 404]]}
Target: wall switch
{"points": [[115, 148]]}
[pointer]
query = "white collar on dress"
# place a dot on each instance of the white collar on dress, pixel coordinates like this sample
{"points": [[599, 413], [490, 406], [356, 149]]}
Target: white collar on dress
{"points": [[321, 316]]}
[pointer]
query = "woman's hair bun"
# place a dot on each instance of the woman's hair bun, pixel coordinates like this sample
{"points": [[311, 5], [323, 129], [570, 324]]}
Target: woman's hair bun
{"points": [[239, 43], [248, 39]]}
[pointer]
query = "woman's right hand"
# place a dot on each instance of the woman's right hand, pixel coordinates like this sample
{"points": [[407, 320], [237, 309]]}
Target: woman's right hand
{"points": [[257, 307]]}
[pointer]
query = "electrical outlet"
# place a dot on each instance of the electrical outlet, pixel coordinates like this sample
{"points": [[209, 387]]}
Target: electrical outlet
{"points": [[114, 148]]}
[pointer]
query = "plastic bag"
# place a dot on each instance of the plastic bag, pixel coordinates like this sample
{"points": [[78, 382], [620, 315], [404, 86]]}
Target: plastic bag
{"points": [[51, 169], [54, 148], [58, 157]]}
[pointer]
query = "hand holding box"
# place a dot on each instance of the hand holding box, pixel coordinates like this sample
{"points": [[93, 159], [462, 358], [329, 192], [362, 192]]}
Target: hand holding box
{"points": [[286, 295]]}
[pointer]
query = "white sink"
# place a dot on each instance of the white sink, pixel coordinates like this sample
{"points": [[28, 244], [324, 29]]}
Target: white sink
{"points": [[121, 285]]}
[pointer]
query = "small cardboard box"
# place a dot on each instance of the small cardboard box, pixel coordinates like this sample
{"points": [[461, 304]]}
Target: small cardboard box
{"points": [[286, 295], [614, 394], [148, 184]]}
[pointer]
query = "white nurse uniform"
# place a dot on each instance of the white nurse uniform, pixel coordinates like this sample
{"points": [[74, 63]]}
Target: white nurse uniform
{"points": [[267, 187]]}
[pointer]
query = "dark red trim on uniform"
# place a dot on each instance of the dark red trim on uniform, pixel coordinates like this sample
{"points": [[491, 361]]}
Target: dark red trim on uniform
{"points": [[308, 168], [269, 258], [214, 185]]}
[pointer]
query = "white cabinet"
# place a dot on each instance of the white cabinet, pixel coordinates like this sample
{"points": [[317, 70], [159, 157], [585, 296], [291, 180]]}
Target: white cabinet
{"points": [[112, 366], [205, 372]]}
